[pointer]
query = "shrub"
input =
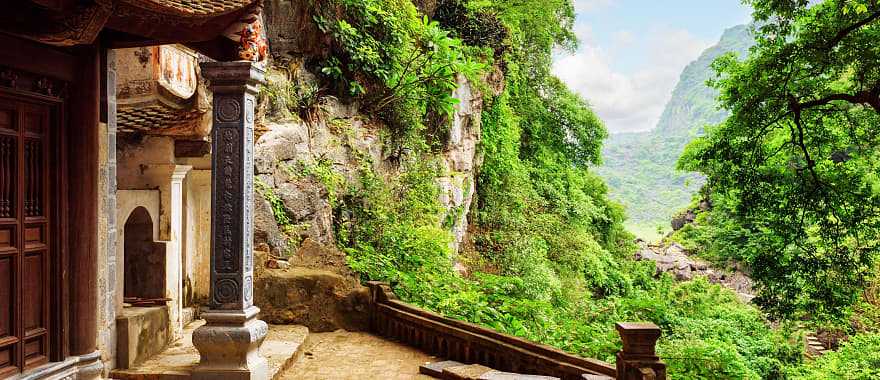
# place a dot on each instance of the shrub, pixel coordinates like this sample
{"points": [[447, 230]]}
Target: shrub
{"points": [[858, 359]]}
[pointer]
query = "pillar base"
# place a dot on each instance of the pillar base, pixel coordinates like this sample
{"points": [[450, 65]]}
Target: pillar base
{"points": [[229, 344]]}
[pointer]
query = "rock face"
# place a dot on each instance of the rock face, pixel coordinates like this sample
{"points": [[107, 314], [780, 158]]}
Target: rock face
{"points": [[291, 30], [340, 140], [461, 160], [683, 219], [292, 159], [675, 260]]}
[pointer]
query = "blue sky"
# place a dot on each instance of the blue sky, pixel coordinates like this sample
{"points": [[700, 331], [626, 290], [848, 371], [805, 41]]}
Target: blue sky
{"points": [[632, 52]]}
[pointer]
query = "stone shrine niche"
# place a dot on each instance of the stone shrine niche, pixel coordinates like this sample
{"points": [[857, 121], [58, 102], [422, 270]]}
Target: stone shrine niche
{"points": [[144, 258]]}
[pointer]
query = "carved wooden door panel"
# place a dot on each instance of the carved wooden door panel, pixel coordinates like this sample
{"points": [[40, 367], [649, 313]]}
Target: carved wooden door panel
{"points": [[25, 252]]}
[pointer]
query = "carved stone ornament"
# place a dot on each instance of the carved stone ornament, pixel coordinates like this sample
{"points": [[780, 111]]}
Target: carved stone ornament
{"points": [[228, 109], [227, 291]]}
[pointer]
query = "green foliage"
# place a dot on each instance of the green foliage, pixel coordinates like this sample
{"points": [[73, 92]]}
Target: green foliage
{"points": [[279, 212], [858, 359], [797, 160], [403, 66], [391, 231], [475, 27], [287, 96], [555, 257], [322, 170]]}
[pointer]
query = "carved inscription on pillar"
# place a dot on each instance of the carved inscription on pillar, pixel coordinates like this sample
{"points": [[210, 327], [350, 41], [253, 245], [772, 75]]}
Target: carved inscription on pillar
{"points": [[235, 86], [228, 199]]}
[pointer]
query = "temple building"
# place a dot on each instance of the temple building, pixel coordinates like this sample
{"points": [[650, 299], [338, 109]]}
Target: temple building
{"points": [[126, 185]]}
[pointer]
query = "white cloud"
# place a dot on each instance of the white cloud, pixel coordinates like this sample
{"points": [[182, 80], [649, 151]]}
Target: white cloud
{"points": [[630, 101]]}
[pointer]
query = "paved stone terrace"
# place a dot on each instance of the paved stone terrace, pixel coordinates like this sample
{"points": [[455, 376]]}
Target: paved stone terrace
{"points": [[357, 356], [282, 347]]}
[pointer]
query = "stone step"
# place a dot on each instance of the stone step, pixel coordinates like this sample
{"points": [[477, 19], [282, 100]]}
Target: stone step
{"points": [[282, 347], [452, 370]]}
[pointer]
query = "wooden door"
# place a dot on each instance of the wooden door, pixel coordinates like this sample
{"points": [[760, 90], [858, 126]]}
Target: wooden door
{"points": [[25, 251]]}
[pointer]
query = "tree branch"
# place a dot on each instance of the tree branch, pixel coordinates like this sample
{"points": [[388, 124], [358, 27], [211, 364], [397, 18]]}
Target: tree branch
{"points": [[869, 97], [845, 32]]}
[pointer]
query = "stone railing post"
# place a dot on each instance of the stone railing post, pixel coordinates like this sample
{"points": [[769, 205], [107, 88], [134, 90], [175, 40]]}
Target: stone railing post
{"points": [[638, 360], [229, 341]]}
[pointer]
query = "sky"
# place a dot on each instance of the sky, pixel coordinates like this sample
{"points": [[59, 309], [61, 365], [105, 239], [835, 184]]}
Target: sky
{"points": [[632, 52]]}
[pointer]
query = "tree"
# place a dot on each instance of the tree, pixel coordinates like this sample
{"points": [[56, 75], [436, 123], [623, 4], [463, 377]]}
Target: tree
{"points": [[798, 158]]}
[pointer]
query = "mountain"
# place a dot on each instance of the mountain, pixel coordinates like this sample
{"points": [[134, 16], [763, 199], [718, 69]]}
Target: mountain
{"points": [[640, 167]]}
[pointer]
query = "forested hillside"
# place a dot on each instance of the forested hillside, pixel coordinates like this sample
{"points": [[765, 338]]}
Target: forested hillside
{"points": [[405, 110], [640, 167]]}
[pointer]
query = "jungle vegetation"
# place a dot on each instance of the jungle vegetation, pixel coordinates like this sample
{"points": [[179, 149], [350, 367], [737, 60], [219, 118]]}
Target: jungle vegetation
{"points": [[793, 175]]}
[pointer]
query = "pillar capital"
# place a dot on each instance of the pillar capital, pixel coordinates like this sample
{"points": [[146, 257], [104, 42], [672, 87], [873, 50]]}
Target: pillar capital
{"points": [[638, 359], [233, 77], [229, 342]]}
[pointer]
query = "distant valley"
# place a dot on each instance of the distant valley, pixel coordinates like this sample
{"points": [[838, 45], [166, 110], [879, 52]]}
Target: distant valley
{"points": [[640, 167]]}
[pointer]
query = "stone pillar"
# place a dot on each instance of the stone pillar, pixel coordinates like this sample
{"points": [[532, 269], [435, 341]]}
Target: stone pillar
{"points": [[174, 258], [230, 340], [638, 360]]}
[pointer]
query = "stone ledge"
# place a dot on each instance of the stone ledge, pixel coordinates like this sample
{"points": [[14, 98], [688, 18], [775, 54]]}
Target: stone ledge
{"points": [[282, 348]]}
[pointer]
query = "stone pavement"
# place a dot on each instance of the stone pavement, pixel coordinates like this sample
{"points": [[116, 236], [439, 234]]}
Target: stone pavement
{"points": [[345, 355], [282, 347]]}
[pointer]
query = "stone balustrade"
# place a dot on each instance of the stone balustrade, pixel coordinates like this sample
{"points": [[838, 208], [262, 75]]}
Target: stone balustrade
{"points": [[468, 343]]}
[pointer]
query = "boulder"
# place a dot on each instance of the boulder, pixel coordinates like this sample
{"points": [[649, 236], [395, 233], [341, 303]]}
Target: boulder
{"points": [[674, 259], [683, 219], [266, 231], [321, 300]]}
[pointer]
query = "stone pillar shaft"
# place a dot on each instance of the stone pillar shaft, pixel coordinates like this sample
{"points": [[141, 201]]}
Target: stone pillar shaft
{"points": [[174, 257], [235, 91], [229, 342]]}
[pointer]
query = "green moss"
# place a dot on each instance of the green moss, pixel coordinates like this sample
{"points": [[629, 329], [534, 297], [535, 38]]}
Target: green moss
{"points": [[280, 214]]}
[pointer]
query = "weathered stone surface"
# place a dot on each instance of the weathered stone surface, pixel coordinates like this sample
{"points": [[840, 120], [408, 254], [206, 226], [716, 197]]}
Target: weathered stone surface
{"points": [[466, 372], [319, 299], [228, 346], [141, 333], [342, 139], [266, 231], [291, 30], [314, 255], [461, 159], [676, 260], [343, 355], [282, 347], [436, 369], [497, 375], [306, 201]]}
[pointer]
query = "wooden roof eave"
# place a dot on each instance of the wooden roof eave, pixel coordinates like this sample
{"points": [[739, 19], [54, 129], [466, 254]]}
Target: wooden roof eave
{"points": [[127, 23]]}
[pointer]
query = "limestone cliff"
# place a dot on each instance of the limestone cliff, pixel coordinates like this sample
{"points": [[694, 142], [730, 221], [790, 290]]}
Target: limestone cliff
{"points": [[296, 162]]}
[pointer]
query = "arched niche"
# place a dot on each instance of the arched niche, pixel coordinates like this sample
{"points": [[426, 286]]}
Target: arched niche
{"points": [[144, 258]]}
